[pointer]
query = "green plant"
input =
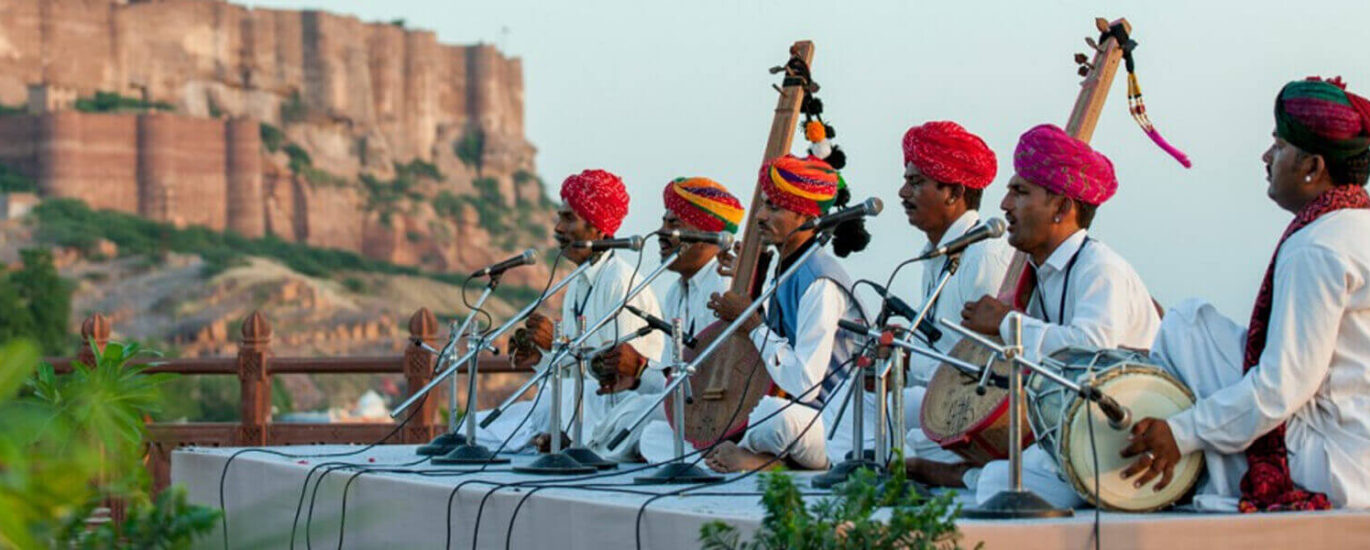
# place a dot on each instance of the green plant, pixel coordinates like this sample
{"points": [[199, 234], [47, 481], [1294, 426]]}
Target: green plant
{"points": [[293, 108], [20, 109], [272, 137], [844, 520], [35, 302], [73, 441], [110, 102], [11, 181], [470, 149]]}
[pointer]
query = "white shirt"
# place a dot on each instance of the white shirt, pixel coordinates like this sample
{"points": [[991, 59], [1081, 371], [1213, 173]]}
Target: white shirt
{"points": [[600, 288], [798, 368], [1100, 302], [1314, 373], [982, 270], [688, 299]]}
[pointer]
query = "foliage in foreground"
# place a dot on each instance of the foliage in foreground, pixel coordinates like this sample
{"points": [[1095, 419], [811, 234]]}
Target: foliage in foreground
{"points": [[71, 443], [844, 520]]}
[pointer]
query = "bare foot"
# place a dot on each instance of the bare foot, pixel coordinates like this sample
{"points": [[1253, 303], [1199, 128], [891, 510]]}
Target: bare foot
{"points": [[543, 442], [727, 457], [936, 474]]}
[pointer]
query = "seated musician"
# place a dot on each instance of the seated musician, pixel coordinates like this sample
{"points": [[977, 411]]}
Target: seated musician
{"points": [[594, 203], [1079, 291], [799, 340], [946, 170], [1286, 428], [698, 204]]}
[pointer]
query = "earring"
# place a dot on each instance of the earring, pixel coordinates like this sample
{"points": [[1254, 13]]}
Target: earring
{"points": [[1307, 179], [1056, 219]]}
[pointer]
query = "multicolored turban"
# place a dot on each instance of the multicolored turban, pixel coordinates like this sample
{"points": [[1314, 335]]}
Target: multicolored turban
{"points": [[1049, 157], [807, 186], [703, 203], [947, 153], [1321, 117], [598, 197]]}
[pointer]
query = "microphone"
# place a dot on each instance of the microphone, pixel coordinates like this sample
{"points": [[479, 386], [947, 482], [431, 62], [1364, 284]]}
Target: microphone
{"points": [[526, 258], [659, 324], [633, 243], [902, 309], [871, 207], [992, 228], [722, 239], [1119, 417]]}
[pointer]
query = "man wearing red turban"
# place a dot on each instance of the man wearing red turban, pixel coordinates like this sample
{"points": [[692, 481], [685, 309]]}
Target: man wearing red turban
{"points": [[1282, 416], [594, 203], [1077, 291], [946, 170]]}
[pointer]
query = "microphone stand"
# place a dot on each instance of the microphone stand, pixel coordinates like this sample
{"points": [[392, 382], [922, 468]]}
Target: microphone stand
{"points": [[450, 440], [677, 471], [1015, 502], [473, 351], [857, 458], [578, 450], [557, 461], [821, 239], [470, 452]]}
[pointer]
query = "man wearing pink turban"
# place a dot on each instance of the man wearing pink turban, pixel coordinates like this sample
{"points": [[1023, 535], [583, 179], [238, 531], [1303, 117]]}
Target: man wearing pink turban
{"points": [[1077, 292]]}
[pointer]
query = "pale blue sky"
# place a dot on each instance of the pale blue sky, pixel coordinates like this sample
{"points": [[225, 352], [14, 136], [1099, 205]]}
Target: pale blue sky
{"points": [[654, 90]]}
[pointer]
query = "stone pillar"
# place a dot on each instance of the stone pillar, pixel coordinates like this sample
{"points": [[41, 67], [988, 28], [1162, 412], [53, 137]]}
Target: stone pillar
{"points": [[243, 160], [418, 370], [255, 380], [94, 336], [157, 165]]}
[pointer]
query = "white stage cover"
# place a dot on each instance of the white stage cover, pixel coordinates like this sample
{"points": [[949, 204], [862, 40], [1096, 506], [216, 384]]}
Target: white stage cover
{"points": [[406, 510]]}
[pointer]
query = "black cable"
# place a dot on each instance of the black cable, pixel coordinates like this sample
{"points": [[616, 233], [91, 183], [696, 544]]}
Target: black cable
{"points": [[1094, 450]]}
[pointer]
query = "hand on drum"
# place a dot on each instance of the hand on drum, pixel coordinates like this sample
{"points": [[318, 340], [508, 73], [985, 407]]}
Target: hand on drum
{"points": [[528, 343], [984, 315], [1151, 438], [618, 369], [729, 305]]}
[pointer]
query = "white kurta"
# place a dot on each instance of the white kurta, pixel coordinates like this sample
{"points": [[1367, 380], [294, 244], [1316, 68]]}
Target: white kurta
{"points": [[1102, 304], [599, 290], [980, 273], [796, 370], [1314, 375]]}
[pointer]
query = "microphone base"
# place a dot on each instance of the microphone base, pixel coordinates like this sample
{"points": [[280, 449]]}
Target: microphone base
{"points": [[470, 454], [441, 444], [555, 464], [679, 473], [589, 458], [844, 470], [1016, 505]]}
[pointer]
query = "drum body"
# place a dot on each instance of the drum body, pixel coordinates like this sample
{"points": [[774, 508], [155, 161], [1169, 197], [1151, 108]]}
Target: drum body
{"points": [[1077, 436], [961, 420]]}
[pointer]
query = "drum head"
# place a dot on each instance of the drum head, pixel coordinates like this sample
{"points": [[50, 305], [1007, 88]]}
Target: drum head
{"points": [[1148, 392], [959, 419]]}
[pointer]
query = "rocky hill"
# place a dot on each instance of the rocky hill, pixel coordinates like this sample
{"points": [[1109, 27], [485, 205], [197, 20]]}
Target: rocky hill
{"points": [[303, 125]]}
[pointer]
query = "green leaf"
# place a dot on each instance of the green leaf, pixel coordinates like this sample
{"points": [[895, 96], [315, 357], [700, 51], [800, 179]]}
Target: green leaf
{"points": [[18, 359]]}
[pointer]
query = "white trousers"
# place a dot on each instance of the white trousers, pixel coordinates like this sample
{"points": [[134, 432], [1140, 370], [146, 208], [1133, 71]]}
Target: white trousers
{"points": [[770, 436]]}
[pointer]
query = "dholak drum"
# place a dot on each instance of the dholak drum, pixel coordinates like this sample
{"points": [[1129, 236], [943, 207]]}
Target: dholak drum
{"points": [[1062, 424], [961, 420]]}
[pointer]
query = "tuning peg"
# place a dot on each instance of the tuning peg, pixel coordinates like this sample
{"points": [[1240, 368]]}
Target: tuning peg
{"points": [[1092, 44], [1083, 71]]}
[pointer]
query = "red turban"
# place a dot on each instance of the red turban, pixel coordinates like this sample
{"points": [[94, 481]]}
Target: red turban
{"points": [[1049, 157], [703, 203], [597, 197], [807, 186], [947, 153]]}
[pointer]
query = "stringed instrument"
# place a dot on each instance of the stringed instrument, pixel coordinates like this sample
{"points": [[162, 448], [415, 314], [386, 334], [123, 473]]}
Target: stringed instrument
{"points": [[732, 381], [954, 414]]}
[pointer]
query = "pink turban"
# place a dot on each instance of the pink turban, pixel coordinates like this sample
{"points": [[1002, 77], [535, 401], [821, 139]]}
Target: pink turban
{"points": [[1049, 157]]}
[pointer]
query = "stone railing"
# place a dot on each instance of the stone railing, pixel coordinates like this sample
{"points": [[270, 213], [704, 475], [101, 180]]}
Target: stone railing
{"points": [[254, 367]]}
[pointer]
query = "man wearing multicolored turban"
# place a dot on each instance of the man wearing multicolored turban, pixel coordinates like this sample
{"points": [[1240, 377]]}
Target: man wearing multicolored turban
{"points": [[1282, 418], [1077, 291], [594, 203], [798, 340], [694, 204], [946, 170]]}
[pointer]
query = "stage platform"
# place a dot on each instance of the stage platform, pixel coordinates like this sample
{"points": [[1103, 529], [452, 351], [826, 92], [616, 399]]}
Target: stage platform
{"points": [[411, 510]]}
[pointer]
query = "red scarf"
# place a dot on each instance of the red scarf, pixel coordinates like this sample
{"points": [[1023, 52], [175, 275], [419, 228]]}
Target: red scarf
{"points": [[1267, 485]]}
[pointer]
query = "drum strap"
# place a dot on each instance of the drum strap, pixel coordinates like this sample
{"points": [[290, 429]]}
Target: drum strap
{"points": [[1065, 288]]}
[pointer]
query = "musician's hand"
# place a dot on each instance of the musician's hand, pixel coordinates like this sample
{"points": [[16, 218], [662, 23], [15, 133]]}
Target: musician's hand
{"points": [[984, 315], [729, 305], [1151, 438], [618, 369], [543, 442], [727, 259], [523, 358], [540, 330]]}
